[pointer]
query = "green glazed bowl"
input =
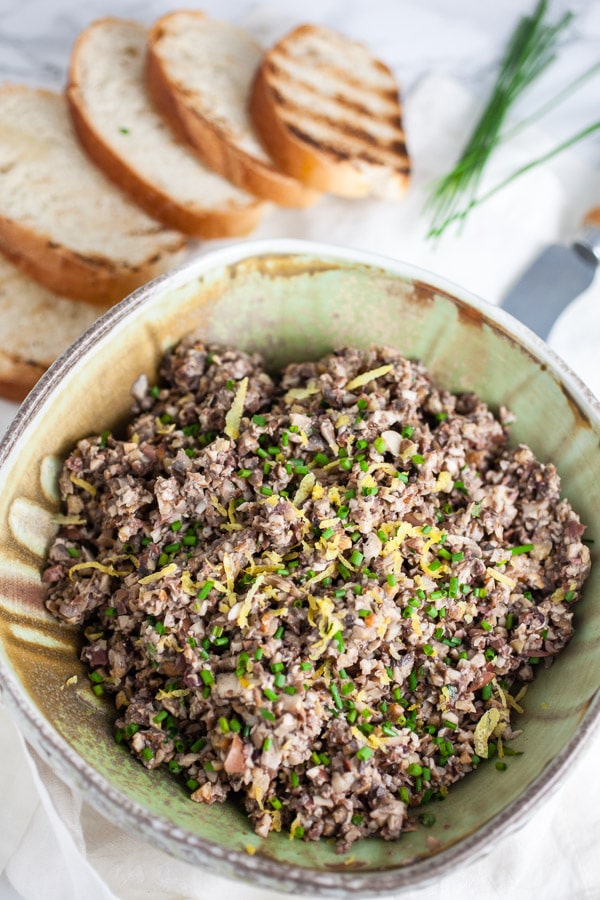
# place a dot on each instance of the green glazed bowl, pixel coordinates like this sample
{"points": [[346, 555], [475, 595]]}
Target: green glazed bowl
{"points": [[290, 300]]}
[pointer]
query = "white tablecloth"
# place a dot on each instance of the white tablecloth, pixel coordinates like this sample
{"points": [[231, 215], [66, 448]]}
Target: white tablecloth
{"points": [[51, 845]]}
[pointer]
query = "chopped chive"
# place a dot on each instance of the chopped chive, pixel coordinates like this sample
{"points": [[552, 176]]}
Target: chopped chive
{"points": [[224, 725], [380, 445], [417, 459], [207, 677], [336, 695], [267, 714], [522, 548], [259, 420], [242, 664], [339, 639], [364, 754], [205, 590]]}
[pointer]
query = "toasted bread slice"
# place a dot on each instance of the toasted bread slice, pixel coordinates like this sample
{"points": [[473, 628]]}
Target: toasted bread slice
{"points": [[61, 220], [35, 327], [129, 140], [329, 113], [200, 73]]}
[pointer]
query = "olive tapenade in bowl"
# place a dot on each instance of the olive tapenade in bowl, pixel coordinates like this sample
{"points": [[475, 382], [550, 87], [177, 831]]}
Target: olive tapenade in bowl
{"points": [[296, 581]]}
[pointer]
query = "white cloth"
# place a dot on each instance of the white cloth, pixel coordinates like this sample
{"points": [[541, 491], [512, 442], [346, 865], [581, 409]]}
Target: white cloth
{"points": [[53, 846]]}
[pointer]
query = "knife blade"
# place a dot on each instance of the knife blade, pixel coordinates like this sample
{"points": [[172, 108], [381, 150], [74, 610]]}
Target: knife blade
{"points": [[560, 274]]}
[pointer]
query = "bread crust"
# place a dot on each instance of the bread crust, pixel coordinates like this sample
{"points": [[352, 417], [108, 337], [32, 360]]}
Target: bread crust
{"points": [[36, 326], [315, 165], [314, 169], [18, 376], [93, 278], [71, 274], [211, 142], [232, 220]]}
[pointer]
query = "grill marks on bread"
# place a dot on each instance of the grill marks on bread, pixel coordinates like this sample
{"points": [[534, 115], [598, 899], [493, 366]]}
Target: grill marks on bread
{"points": [[320, 101], [199, 74]]}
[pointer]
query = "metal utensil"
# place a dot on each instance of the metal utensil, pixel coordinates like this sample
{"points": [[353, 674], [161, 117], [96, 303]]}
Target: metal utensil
{"points": [[555, 278]]}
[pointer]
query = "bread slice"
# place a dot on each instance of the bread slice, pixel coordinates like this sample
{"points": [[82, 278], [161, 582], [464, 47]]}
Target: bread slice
{"points": [[329, 113], [61, 220], [200, 73], [126, 137], [35, 327]]}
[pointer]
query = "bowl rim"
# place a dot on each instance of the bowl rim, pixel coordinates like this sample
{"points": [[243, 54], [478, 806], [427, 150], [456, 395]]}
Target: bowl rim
{"points": [[206, 854]]}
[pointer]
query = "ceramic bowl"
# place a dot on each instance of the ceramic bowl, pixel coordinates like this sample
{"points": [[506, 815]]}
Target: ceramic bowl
{"points": [[290, 300]]}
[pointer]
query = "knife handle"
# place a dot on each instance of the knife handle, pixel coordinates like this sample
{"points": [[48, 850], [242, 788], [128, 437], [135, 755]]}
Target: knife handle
{"points": [[593, 217], [587, 242]]}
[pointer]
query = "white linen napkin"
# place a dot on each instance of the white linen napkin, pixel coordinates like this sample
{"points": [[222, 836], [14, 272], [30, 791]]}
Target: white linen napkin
{"points": [[54, 846]]}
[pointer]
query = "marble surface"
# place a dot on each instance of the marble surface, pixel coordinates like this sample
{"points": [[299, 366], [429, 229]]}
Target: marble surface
{"points": [[444, 53]]}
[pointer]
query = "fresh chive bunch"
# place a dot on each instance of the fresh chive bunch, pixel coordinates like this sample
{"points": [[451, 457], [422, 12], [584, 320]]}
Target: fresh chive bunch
{"points": [[531, 49]]}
